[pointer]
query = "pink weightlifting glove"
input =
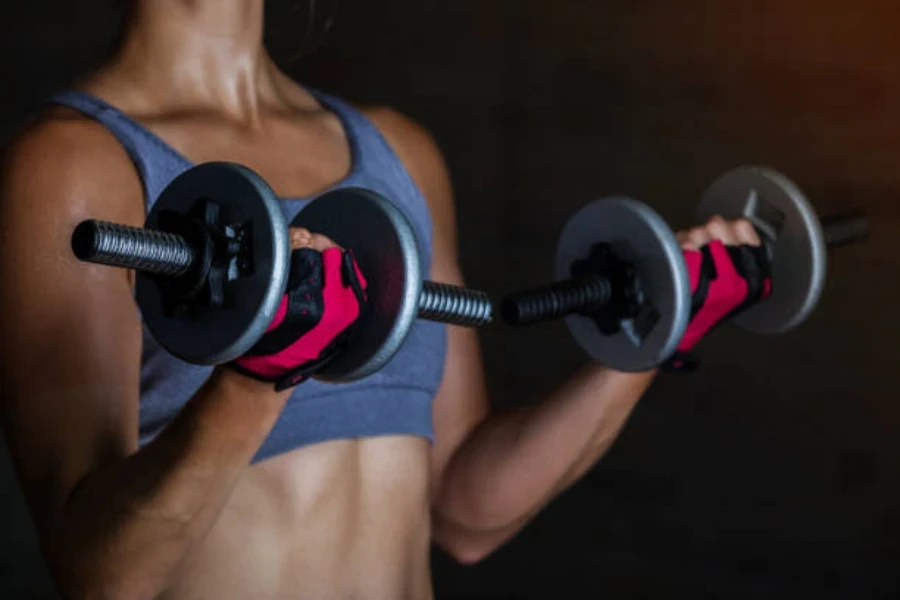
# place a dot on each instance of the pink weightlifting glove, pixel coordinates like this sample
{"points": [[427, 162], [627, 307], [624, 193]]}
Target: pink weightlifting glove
{"points": [[326, 294], [725, 281]]}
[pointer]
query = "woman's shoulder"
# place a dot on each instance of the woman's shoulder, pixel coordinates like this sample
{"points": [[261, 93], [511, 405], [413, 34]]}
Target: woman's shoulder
{"points": [[418, 150], [420, 154], [410, 140], [60, 135], [62, 159]]}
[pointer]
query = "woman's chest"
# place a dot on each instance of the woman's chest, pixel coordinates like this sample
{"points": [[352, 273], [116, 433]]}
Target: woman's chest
{"points": [[297, 156]]}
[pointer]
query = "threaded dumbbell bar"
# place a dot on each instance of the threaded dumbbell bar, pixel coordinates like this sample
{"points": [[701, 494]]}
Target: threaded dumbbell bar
{"points": [[454, 305], [170, 255], [556, 300], [145, 250], [843, 229]]}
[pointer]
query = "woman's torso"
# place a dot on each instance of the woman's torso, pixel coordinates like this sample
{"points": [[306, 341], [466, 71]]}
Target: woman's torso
{"points": [[345, 519], [336, 502]]}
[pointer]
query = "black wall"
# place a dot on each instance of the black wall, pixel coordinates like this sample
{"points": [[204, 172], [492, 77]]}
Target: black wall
{"points": [[773, 471]]}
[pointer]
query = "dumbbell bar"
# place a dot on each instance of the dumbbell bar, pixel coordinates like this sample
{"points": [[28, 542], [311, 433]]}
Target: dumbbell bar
{"points": [[622, 283], [211, 268], [170, 255]]}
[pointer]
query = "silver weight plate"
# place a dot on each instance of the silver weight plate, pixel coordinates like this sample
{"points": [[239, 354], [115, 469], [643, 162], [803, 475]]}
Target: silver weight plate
{"points": [[220, 334], [637, 234], [387, 251], [777, 207]]}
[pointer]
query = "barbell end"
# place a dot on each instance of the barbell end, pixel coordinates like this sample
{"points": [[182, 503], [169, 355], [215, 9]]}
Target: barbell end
{"points": [[84, 240], [124, 246], [847, 228]]}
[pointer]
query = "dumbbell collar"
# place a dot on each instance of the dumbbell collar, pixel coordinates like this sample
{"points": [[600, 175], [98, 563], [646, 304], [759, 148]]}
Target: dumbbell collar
{"points": [[620, 297], [220, 256]]}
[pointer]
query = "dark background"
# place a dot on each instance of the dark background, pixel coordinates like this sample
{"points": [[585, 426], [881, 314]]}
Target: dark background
{"points": [[773, 472]]}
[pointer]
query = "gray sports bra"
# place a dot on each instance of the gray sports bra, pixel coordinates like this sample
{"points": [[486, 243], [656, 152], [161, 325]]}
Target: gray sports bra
{"points": [[394, 401]]}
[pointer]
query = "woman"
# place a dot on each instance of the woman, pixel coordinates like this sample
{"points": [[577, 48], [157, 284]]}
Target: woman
{"points": [[150, 477]]}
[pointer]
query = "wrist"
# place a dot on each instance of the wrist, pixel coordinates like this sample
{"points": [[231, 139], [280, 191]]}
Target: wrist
{"points": [[607, 380], [594, 369], [233, 383]]}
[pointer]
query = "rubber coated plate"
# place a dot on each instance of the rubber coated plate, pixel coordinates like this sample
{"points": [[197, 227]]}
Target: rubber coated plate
{"points": [[799, 261], [385, 246], [221, 334], [638, 235]]}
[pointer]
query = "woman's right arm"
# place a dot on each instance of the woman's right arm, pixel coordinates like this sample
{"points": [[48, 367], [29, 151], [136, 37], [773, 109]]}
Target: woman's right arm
{"points": [[114, 520]]}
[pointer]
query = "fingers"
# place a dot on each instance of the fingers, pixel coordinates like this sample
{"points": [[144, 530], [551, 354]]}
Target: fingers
{"points": [[694, 239], [746, 232], [303, 238], [300, 238], [730, 233], [722, 230]]}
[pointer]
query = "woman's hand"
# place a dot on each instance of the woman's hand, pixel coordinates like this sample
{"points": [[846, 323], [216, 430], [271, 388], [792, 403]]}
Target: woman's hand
{"points": [[304, 238], [729, 272], [730, 233], [316, 318]]}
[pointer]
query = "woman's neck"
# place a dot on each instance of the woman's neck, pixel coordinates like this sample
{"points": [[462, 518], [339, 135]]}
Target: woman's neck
{"points": [[193, 54]]}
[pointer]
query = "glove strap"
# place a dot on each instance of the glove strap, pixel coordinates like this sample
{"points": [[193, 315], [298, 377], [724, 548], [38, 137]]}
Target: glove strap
{"points": [[725, 282], [315, 322]]}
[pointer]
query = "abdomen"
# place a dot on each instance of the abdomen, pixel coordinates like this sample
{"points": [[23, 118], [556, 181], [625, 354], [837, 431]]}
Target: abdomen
{"points": [[345, 519]]}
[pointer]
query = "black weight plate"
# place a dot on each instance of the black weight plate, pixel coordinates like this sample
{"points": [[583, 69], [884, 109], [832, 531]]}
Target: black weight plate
{"points": [[387, 250], [220, 334], [640, 236], [799, 256]]}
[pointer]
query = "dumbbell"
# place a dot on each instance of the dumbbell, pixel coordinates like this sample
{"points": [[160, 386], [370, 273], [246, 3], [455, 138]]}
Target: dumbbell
{"points": [[212, 260], [622, 283]]}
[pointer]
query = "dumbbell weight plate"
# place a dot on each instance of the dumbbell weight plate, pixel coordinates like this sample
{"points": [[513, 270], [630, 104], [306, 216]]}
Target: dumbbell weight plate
{"points": [[387, 251], [775, 204], [220, 334], [640, 236]]}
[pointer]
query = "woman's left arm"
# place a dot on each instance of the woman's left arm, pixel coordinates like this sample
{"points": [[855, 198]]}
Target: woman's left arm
{"points": [[494, 470]]}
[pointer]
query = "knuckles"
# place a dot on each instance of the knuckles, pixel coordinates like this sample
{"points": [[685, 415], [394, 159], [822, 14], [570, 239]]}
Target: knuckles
{"points": [[735, 231], [303, 238]]}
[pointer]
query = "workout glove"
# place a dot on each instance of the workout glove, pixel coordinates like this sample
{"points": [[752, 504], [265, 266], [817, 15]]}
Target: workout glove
{"points": [[326, 294], [725, 281]]}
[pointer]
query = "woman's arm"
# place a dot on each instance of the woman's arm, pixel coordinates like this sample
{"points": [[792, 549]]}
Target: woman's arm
{"points": [[493, 471], [114, 521], [513, 463]]}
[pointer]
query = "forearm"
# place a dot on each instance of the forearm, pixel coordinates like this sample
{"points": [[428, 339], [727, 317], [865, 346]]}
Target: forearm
{"points": [[517, 461], [131, 524]]}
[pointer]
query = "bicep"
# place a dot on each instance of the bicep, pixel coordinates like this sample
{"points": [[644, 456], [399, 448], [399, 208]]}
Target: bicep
{"points": [[462, 401], [71, 331]]}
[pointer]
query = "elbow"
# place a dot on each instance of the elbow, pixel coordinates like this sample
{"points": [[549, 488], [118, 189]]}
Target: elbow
{"points": [[75, 581], [465, 550], [77, 577], [471, 525], [464, 541], [472, 555], [99, 586], [87, 590]]}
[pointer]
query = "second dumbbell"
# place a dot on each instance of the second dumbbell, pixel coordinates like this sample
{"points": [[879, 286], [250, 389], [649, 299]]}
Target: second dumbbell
{"points": [[623, 287]]}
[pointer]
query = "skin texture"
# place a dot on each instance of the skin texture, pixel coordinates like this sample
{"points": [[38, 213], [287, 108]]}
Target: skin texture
{"points": [[186, 516]]}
